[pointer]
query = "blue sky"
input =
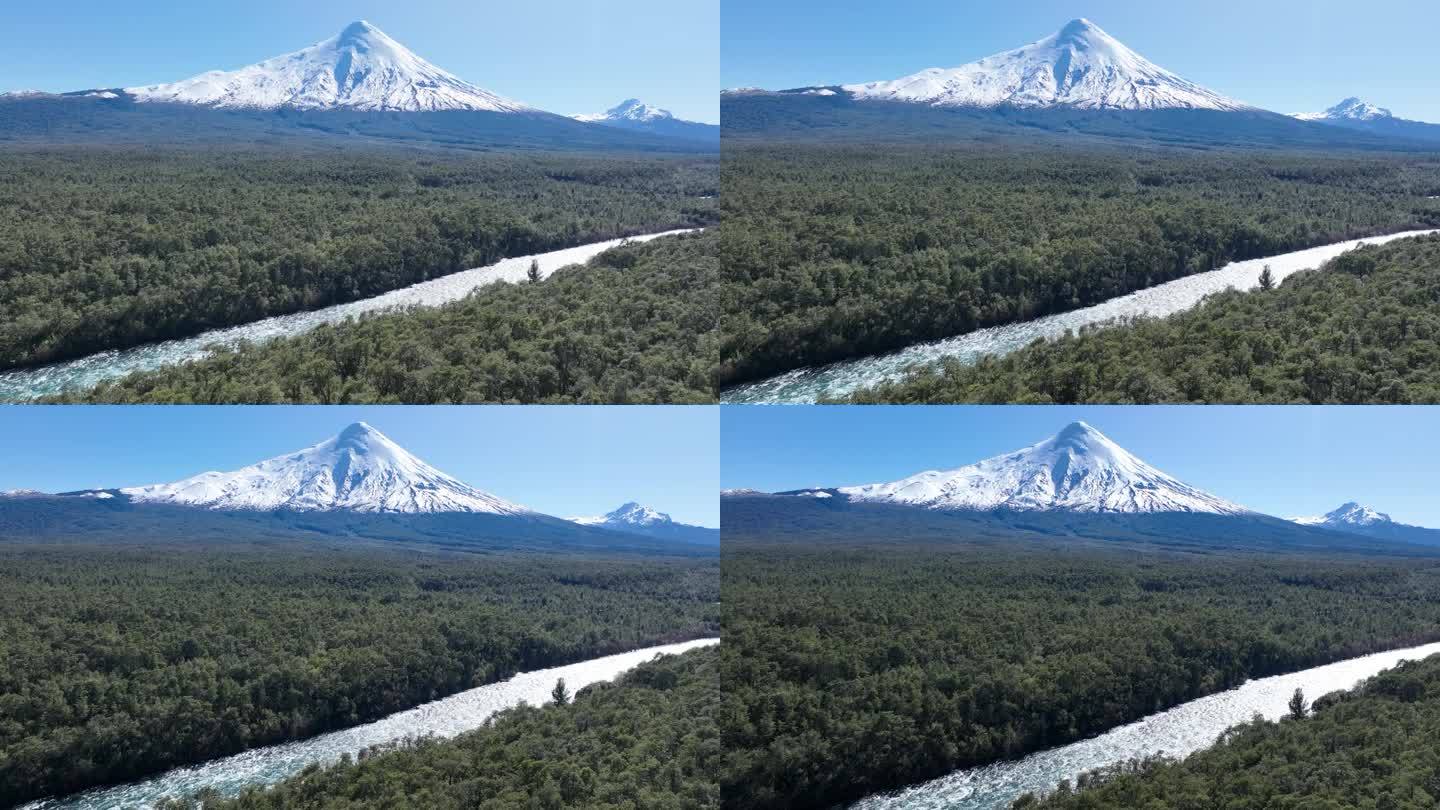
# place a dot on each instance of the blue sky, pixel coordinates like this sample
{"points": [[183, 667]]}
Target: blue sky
{"points": [[566, 56], [1283, 55], [561, 460], [1281, 460]]}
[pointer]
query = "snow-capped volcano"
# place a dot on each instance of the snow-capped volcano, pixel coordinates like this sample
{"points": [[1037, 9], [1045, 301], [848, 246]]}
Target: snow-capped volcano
{"points": [[359, 470], [1352, 113], [1079, 66], [361, 68], [1348, 515], [629, 514], [634, 114], [1078, 470], [1351, 109], [635, 518], [631, 109], [1355, 518]]}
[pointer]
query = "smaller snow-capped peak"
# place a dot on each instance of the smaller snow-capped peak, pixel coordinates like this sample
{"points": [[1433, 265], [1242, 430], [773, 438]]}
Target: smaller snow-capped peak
{"points": [[1079, 66], [739, 491], [24, 94], [359, 470], [361, 68], [629, 514], [1079, 469], [631, 109], [1351, 109], [1348, 514]]}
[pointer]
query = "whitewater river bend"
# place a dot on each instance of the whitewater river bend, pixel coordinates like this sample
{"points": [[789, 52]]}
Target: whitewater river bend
{"points": [[806, 385], [442, 718], [23, 385], [1181, 731]]}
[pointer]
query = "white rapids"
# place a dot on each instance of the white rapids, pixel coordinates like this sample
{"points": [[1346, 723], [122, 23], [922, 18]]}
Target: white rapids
{"points": [[807, 385], [442, 718], [1178, 732], [22, 385]]}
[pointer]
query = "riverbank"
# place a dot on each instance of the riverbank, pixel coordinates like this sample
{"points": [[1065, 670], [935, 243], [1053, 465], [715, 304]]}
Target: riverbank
{"points": [[24, 385], [1176, 732], [442, 718], [809, 385]]}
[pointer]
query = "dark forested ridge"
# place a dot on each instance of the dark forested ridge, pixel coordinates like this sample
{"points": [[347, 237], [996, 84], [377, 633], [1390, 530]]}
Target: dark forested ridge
{"points": [[82, 119], [831, 252], [1372, 747], [647, 741], [1365, 330], [108, 248], [636, 324], [119, 663], [851, 669], [799, 117], [119, 522], [836, 522]]}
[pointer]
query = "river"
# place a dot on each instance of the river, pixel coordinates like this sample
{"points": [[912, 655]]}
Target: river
{"points": [[442, 718], [1183, 730], [23, 385], [806, 385]]}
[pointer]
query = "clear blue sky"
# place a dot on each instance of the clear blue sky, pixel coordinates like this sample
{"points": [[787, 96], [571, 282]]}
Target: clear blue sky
{"points": [[1281, 460], [1283, 55], [565, 56], [560, 460]]}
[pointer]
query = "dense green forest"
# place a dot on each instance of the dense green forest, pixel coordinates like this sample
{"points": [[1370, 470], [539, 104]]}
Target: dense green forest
{"points": [[645, 742], [848, 670], [119, 663], [1369, 748], [1367, 330], [636, 324], [105, 249], [834, 252]]}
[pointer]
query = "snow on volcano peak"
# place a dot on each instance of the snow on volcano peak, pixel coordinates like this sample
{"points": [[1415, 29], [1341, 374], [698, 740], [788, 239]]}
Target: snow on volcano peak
{"points": [[1348, 514], [631, 109], [358, 470], [635, 518], [1079, 66], [1079, 469], [361, 68], [1351, 109], [629, 514]]}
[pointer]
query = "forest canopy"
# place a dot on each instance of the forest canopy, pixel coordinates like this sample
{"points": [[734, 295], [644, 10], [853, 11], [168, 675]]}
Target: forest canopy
{"points": [[636, 324], [835, 252], [848, 670], [109, 248], [123, 662], [1363, 330], [1372, 747], [648, 741]]}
